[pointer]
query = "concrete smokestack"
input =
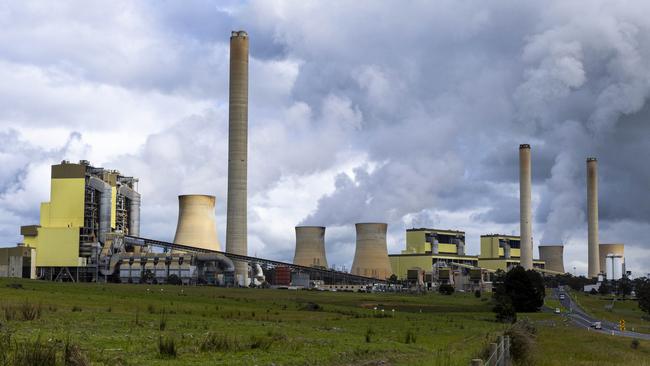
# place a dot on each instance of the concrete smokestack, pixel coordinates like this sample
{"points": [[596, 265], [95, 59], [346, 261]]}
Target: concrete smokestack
{"points": [[310, 246], [592, 221], [525, 211], [371, 254], [236, 223], [196, 222]]}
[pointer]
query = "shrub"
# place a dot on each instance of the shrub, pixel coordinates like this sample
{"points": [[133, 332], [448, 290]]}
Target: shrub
{"points": [[446, 289], [369, 334], [635, 344], [5, 345], [410, 337], [219, 342], [477, 294], [524, 289], [76, 309], [312, 306], [163, 320], [174, 280], [167, 347], [505, 312], [151, 309], [261, 342], [522, 341], [593, 291], [73, 356], [34, 353]]}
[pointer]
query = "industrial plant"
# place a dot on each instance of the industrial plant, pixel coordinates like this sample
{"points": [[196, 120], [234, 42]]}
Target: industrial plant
{"points": [[90, 231]]}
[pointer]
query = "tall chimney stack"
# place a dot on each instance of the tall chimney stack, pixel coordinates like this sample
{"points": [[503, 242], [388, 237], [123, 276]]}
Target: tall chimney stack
{"points": [[236, 222], [525, 212], [592, 212]]}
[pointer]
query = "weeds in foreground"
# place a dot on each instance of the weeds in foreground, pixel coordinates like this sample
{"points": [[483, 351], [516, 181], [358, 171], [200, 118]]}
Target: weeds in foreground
{"points": [[167, 347], [410, 337], [25, 311], [73, 356], [34, 353]]}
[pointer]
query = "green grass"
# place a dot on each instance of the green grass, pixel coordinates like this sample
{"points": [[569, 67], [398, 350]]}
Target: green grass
{"points": [[143, 324], [635, 318]]}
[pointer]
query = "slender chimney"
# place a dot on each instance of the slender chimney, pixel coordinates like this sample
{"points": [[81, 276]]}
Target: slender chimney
{"points": [[236, 222], [592, 222], [525, 212]]}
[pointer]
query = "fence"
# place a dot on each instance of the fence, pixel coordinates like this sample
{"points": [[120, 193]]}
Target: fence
{"points": [[499, 354]]}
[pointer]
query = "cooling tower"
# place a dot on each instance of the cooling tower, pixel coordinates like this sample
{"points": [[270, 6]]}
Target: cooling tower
{"points": [[310, 246], [371, 254], [592, 221], [525, 211], [236, 224], [553, 255], [196, 222], [605, 249]]}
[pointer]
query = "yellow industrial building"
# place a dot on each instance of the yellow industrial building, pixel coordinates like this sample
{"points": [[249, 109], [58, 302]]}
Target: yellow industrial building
{"points": [[427, 247], [434, 255], [502, 252], [86, 204]]}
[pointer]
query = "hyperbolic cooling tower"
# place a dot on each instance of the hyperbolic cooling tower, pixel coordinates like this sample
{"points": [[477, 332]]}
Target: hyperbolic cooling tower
{"points": [[525, 211], [236, 225], [605, 249], [553, 255], [310, 246], [197, 226], [592, 221], [371, 254]]}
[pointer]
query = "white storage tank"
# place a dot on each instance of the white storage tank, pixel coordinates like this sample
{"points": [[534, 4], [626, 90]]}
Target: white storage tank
{"points": [[614, 267]]}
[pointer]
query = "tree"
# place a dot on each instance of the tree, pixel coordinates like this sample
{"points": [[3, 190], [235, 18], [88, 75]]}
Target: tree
{"points": [[624, 286], [643, 294], [524, 289], [605, 288], [446, 289]]}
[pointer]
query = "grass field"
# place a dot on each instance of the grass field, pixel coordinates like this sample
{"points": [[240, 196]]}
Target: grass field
{"points": [[123, 324], [621, 309]]}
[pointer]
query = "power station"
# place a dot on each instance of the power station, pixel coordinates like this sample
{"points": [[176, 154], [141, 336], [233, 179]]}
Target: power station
{"points": [[90, 231]]}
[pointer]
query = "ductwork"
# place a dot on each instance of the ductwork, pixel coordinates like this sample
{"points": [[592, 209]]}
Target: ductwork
{"points": [[461, 247], [224, 263], [134, 209], [104, 205]]}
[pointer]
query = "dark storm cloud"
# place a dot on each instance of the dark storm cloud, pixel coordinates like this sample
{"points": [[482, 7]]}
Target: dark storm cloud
{"points": [[403, 112]]}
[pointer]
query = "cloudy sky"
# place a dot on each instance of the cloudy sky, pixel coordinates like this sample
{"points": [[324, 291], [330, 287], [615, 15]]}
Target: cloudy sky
{"points": [[405, 112]]}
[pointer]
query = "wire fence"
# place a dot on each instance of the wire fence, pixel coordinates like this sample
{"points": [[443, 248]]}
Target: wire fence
{"points": [[499, 354]]}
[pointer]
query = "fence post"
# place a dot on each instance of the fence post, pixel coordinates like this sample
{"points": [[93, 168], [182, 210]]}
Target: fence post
{"points": [[476, 362], [494, 351], [507, 353], [501, 359]]}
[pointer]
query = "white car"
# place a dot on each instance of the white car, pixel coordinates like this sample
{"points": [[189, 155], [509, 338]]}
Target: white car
{"points": [[557, 310], [597, 325], [561, 296]]}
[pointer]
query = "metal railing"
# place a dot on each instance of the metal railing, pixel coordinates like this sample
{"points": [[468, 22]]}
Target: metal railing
{"points": [[499, 354]]}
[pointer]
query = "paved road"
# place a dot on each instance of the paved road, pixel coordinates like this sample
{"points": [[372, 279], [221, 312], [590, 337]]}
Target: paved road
{"points": [[582, 319]]}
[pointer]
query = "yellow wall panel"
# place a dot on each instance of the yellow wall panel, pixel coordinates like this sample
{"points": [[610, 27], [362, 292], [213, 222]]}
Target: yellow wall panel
{"points": [[401, 264], [447, 248], [45, 214], [58, 247], [67, 203], [113, 207]]}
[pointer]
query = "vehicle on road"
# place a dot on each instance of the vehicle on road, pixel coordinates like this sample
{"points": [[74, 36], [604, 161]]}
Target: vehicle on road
{"points": [[557, 310], [597, 325], [562, 296]]}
